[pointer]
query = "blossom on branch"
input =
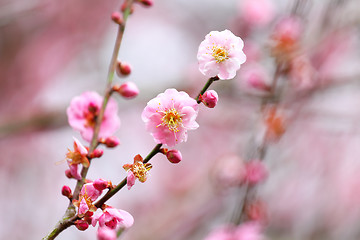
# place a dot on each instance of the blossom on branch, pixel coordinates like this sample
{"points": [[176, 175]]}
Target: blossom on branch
{"points": [[113, 218], [84, 110], [137, 170], [221, 54], [169, 116]]}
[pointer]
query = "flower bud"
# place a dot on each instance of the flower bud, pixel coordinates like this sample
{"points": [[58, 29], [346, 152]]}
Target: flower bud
{"points": [[123, 69], [82, 225], [174, 156], [210, 98], [66, 191], [256, 172], [146, 3], [97, 153], [127, 90], [100, 184], [111, 141], [117, 18], [68, 173]]}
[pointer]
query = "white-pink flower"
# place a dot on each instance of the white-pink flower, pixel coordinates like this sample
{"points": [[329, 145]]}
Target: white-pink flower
{"points": [[113, 218], [169, 116], [221, 54], [83, 111]]}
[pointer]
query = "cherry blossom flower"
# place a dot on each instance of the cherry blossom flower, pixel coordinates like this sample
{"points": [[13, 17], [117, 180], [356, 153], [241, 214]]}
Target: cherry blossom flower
{"points": [[113, 218], [83, 111], [220, 54], [169, 116], [137, 170]]}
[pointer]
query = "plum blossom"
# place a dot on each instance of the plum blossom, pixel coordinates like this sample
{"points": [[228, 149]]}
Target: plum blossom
{"points": [[78, 156], [221, 54], [137, 170], [83, 111], [88, 195], [113, 218], [169, 116]]}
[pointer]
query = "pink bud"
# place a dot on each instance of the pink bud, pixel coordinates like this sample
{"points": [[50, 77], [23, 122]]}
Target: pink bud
{"points": [[111, 141], [210, 98], [146, 3], [81, 225], [123, 69], [100, 184], [68, 173], [174, 156], [116, 17], [97, 153], [128, 90], [66, 191]]}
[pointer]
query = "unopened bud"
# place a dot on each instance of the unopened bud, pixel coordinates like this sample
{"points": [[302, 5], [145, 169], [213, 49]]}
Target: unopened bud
{"points": [[174, 156], [123, 69], [68, 173], [100, 184], [97, 153], [66, 191], [146, 3], [127, 90], [210, 98], [82, 225], [117, 18], [110, 141]]}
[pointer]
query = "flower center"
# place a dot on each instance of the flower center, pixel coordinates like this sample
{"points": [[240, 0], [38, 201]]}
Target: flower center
{"points": [[172, 119], [140, 170], [220, 54]]}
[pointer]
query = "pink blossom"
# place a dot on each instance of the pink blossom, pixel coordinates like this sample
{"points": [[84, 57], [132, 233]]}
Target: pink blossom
{"points": [[100, 184], [220, 54], [169, 116], [83, 111], [255, 77], [105, 233], [257, 12], [113, 218], [89, 190], [255, 172], [74, 158], [74, 170]]}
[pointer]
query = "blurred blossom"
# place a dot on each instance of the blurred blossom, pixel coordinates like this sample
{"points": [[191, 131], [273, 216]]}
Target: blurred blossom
{"points": [[256, 12], [84, 110]]}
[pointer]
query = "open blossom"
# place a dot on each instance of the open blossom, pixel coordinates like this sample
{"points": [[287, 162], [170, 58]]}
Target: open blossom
{"points": [[88, 195], [137, 170], [113, 218], [169, 116], [83, 111], [221, 54], [76, 157]]}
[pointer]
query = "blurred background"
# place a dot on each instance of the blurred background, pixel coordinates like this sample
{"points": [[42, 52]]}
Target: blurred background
{"points": [[51, 51]]}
